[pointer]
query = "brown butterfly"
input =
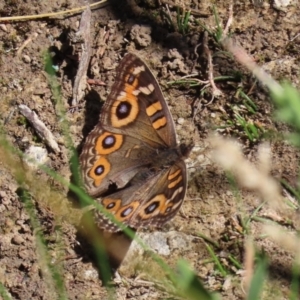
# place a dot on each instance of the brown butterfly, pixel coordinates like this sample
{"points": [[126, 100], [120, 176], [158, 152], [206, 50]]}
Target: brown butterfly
{"points": [[130, 162]]}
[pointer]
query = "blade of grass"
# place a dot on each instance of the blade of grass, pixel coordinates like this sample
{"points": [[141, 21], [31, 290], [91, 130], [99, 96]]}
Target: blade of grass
{"points": [[295, 286], [258, 279], [216, 261], [190, 285], [235, 262], [4, 293], [55, 278]]}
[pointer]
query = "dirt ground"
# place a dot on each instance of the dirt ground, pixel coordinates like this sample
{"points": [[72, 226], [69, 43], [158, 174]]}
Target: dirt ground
{"points": [[268, 31]]}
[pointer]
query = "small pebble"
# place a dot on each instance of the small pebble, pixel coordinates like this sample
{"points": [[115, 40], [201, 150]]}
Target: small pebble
{"points": [[227, 283], [213, 115], [200, 157], [3, 27], [90, 274], [9, 223], [180, 121], [17, 240], [26, 58], [36, 156], [2, 194], [23, 254], [281, 3]]}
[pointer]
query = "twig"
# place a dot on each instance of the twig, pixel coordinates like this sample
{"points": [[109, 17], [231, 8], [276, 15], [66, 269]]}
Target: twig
{"points": [[95, 82], [229, 21], [103, 47], [42, 131], [197, 56], [48, 15], [85, 34], [8, 118], [29, 40], [216, 92]]}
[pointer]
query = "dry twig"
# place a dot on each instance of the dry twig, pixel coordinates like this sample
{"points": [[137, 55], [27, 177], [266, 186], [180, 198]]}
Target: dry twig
{"points": [[43, 132], [55, 14], [215, 91], [84, 33], [229, 21], [29, 40]]}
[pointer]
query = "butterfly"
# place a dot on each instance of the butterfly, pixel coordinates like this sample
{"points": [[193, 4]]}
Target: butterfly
{"points": [[130, 162]]}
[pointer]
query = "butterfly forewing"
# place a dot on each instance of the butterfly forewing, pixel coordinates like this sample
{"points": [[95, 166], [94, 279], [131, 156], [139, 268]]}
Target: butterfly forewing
{"points": [[108, 158], [136, 105]]}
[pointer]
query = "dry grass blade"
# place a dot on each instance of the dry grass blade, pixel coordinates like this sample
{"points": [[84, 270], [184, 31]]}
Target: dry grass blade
{"points": [[51, 15], [246, 60], [229, 155], [287, 240], [248, 262]]}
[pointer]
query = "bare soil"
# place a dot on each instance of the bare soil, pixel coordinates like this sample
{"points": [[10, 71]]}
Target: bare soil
{"points": [[212, 206]]}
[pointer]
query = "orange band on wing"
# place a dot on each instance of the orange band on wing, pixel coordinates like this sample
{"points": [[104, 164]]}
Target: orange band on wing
{"points": [[175, 182], [161, 122], [153, 207], [125, 212], [99, 170], [108, 142], [112, 205], [153, 108], [173, 175]]}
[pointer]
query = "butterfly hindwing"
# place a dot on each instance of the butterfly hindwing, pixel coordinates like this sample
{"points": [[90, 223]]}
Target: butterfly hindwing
{"points": [[151, 202]]}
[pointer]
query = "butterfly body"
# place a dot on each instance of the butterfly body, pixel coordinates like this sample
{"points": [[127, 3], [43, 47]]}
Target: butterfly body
{"points": [[131, 162]]}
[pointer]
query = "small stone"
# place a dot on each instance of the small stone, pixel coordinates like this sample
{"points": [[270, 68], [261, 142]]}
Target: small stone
{"points": [[177, 240], [227, 283], [3, 27], [35, 156], [213, 115], [200, 157], [157, 241], [26, 58], [23, 254], [17, 240], [2, 194], [180, 121], [141, 35], [90, 274], [9, 223], [281, 3]]}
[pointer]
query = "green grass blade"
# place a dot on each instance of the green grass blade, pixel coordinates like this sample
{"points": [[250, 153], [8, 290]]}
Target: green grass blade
{"points": [[258, 279], [295, 285], [189, 284], [216, 261], [4, 293]]}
